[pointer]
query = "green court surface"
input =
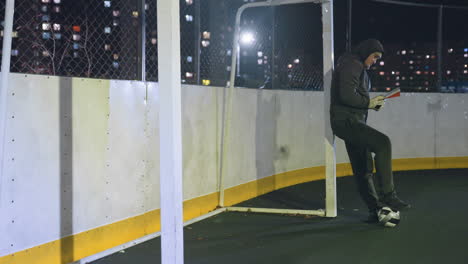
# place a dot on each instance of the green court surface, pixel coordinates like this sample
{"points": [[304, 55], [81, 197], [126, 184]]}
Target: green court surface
{"points": [[434, 230]]}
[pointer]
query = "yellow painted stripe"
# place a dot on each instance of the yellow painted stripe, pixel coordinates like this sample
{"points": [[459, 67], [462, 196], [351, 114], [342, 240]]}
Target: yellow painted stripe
{"points": [[84, 244], [256, 188], [430, 163]]}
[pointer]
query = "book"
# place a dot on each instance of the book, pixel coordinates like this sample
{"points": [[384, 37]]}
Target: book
{"points": [[393, 93]]}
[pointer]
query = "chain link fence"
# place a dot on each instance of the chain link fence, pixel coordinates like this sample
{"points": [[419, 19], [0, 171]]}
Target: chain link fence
{"points": [[426, 49], [117, 39], [2, 19], [281, 46], [151, 42], [94, 38]]}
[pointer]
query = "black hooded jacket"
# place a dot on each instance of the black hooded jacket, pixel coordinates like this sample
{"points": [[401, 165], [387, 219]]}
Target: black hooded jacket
{"points": [[351, 84]]}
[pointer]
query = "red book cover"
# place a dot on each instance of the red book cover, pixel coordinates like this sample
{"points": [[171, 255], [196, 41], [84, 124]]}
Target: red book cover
{"points": [[393, 93]]}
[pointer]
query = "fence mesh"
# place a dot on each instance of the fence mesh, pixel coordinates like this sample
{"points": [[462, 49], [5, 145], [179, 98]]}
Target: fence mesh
{"points": [[2, 19], [151, 41], [117, 39], [418, 57], [91, 38]]}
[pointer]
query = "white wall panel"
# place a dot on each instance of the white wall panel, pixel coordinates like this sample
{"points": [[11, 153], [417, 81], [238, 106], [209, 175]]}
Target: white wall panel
{"points": [[86, 152], [199, 126], [30, 204]]}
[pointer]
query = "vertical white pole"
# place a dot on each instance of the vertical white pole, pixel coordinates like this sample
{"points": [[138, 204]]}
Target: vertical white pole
{"points": [[170, 123], [330, 157], [6, 59]]}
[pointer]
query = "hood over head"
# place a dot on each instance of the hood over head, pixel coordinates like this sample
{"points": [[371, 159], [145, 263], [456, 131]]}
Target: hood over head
{"points": [[367, 47]]}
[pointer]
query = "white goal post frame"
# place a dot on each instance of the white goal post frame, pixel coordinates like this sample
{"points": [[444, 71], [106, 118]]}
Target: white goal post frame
{"points": [[330, 156]]}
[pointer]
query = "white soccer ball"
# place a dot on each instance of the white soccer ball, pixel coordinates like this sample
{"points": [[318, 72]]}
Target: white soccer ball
{"points": [[388, 217]]}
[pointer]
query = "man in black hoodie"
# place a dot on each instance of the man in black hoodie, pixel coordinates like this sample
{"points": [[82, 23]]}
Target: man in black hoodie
{"points": [[350, 102]]}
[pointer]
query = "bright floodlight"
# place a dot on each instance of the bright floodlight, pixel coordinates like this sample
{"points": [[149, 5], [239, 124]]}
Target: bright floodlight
{"points": [[247, 38]]}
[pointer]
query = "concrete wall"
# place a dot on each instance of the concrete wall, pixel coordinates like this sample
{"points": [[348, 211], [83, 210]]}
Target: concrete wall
{"points": [[84, 153]]}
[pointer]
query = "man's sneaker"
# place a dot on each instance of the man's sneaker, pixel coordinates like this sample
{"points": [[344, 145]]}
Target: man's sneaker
{"points": [[392, 201]]}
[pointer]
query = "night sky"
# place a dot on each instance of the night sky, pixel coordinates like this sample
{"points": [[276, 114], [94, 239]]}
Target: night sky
{"points": [[392, 23]]}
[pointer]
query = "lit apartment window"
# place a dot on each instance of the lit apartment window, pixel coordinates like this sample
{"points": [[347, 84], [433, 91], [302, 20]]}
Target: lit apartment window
{"points": [[206, 35], [45, 26], [205, 43]]}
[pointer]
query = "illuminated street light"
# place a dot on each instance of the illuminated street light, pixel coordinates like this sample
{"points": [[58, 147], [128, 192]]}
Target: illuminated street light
{"points": [[247, 38]]}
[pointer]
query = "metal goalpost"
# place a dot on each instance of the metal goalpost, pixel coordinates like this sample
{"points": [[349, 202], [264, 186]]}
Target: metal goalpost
{"points": [[330, 209]]}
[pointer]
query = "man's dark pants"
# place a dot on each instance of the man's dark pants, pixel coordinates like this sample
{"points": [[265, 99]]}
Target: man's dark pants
{"points": [[361, 141]]}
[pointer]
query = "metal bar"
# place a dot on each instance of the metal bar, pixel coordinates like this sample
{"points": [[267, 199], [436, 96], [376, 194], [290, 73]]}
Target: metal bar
{"points": [[290, 2], [170, 124], [6, 61], [227, 95], [439, 48], [330, 154], [197, 36], [273, 53], [419, 4], [141, 73], [319, 212], [349, 41]]}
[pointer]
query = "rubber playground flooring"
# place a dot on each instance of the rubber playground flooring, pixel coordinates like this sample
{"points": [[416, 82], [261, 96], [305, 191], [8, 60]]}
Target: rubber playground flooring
{"points": [[434, 230]]}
